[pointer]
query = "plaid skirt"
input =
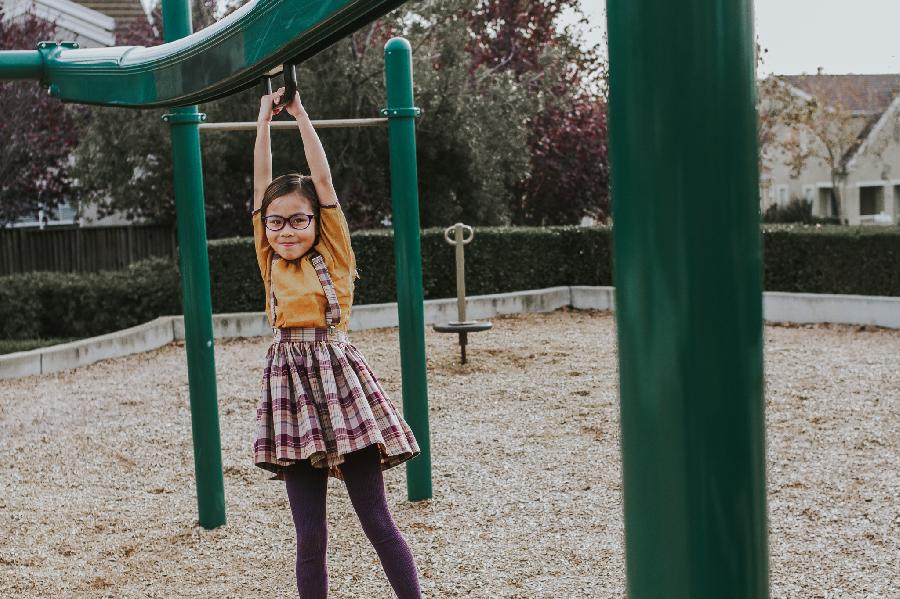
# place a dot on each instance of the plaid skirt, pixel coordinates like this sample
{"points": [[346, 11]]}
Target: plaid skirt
{"points": [[320, 401]]}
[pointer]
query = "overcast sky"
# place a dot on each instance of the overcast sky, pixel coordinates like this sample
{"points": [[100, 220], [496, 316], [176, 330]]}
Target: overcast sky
{"points": [[841, 36]]}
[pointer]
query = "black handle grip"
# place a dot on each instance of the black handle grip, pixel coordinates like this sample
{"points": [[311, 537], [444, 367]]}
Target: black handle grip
{"points": [[289, 71]]}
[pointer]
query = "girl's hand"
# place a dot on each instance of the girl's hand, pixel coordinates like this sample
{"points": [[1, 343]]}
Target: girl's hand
{"points": [[266, 102], [295, 107]]}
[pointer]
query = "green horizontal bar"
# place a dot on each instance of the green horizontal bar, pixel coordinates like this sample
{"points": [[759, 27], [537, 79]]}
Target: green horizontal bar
{"points": [[228, 56], [21, 64]]}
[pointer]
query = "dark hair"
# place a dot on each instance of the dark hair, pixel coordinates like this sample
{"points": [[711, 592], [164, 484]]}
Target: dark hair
{"points": [[293, 183]]}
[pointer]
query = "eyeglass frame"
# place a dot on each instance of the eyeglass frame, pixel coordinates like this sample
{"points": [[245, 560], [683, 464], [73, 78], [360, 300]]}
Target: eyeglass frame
{"points": [[287, 220]]}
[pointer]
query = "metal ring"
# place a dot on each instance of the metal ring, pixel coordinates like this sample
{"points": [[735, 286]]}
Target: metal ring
{"points": [[447, 235], [453, 228]]}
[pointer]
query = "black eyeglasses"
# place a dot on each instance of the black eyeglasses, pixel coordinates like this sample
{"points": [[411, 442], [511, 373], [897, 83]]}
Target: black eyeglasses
{"points": [[298, 221]]}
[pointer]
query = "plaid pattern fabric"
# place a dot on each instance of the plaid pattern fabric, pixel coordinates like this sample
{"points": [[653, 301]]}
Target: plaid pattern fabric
{"points": [[321, 400], [300, 334], [333, 310]]}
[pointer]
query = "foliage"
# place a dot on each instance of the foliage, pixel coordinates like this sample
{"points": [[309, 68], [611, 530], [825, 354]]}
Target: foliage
{"points": [[51, 304], [483, 157], [832, 259], [123, 162], [9, 346], [568, 171], [797, 210], [797, 258], [38, 132], [569, 167]]}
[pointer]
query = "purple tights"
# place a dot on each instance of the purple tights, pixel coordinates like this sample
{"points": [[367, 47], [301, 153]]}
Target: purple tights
{"points": [[306, 489]]}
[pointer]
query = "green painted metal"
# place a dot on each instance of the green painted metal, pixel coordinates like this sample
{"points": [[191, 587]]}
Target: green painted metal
{"points": [[20, 64], [688, 297], [226, 57], [194, 262], [408, 258]]}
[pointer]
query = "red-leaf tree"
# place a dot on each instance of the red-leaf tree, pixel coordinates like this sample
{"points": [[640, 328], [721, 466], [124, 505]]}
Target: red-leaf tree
{"points": [[38, 132], [568, 175]]}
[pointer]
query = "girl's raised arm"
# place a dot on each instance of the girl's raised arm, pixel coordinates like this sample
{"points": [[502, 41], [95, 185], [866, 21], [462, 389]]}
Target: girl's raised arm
{"points": [[262, 152], [315, 153]]}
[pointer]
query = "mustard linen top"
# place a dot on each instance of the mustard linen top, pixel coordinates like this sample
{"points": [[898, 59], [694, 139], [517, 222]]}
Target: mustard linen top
{"points": [[300, 299]]}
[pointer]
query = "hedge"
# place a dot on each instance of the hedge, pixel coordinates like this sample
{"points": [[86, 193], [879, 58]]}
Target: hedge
{"points": [[52, 304], [832, 259], [797, 258], [500, 259]]}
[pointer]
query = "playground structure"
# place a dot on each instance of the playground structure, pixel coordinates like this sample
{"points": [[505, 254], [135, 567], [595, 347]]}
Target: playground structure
{"points": [[687, 253], [461, 326], [234, 54]]}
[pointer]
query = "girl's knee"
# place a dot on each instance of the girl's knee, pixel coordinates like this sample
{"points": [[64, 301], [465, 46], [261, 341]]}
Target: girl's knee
{"points": [[312, 541]]}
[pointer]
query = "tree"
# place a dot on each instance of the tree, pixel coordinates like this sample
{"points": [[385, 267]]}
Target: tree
{"points": [[472, 139], [125, 158], [38, 132], [799, 127], [568, 173]]}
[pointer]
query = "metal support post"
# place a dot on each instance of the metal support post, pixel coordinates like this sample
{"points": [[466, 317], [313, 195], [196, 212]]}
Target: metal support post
{"points": [[408, 258], [194, 263], [688, 297]]}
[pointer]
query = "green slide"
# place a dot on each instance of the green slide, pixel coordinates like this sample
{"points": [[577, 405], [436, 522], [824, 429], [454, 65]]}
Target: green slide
{"points": [[228, 56]]}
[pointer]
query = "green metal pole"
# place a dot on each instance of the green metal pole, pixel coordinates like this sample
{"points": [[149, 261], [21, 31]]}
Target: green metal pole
{"points": [[408, 258], [194, 261], [688, 297], [21, 64]]}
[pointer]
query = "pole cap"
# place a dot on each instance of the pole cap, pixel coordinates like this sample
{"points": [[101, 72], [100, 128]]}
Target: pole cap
{"points": [[398, 44]]}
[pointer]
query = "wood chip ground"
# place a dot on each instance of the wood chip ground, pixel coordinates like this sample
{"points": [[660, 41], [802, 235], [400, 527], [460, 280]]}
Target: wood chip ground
{"points": [[98, 496]]}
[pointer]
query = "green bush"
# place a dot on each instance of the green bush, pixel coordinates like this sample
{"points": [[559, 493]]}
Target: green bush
{"points": [[797, 210], [798, 258], [500, 259], [832, 259], [50, 304]]}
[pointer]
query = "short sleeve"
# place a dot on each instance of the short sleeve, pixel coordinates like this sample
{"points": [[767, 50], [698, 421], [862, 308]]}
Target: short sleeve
{"points": [[334, 235], [261, 243]]}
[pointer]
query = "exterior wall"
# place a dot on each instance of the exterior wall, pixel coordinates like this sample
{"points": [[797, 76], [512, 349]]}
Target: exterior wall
{"points": [[68, 215], [75, 22], [89, 218], [877, 164], [777, 176]]}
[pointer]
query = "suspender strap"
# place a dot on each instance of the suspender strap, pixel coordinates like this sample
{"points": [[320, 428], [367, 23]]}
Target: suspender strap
{"points": [[333, 310]]}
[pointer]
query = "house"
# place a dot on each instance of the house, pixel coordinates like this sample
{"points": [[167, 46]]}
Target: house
{"points": [[865, 125], [91, 23]]}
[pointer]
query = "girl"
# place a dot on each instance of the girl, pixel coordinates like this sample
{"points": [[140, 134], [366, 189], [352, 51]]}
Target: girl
{"points": [[323, 412]]}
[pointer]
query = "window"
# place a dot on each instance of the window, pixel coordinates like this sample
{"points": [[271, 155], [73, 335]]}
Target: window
{"points": [[897, 203], [782, 195], [871, 200], [825, 201]]}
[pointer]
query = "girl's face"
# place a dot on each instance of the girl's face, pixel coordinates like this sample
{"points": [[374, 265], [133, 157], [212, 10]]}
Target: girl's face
{"points": [[289, 243]]}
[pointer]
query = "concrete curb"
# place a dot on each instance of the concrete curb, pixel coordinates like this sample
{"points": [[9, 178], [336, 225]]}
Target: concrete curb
{"points": [[777, 306], [875, 310]]}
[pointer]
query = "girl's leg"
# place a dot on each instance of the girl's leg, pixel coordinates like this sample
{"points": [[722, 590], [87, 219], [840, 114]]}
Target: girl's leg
{"points": [[365, 485], [306, 489]]}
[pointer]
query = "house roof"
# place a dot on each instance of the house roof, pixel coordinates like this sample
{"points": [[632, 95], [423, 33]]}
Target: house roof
{"points": [[863, 93], [73, 21], [123, 11]]}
